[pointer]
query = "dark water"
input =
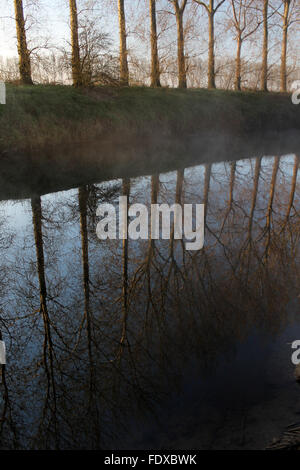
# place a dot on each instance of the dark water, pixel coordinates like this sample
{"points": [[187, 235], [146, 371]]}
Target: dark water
{"points": [[143, 344]]}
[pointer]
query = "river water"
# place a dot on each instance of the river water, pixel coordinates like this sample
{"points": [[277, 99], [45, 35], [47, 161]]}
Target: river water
{"points": [[143, 344]]}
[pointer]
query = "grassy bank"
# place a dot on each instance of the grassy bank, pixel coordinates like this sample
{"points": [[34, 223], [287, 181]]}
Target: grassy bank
{"points": [[39, 116], [56, 137]]}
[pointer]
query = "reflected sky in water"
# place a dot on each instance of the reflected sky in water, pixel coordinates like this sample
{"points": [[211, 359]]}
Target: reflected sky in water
{"points": [[142, 344]]}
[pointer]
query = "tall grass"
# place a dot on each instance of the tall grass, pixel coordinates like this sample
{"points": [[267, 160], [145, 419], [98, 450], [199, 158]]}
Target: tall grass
{"points": [[41, 116]]}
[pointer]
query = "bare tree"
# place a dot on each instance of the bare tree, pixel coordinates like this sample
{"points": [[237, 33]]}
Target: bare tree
{"points": [[211, 10], [23, 52], [155, 72], [289, 16], [264, 68], [179, 8], [98, 66], [268, 10], [245, 23], [76, 67], [285, 19], [124, 74]]}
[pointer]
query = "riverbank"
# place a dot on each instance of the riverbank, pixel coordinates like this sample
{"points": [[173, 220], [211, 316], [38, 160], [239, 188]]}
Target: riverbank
{"points": [[39, 116], [56, 135]]}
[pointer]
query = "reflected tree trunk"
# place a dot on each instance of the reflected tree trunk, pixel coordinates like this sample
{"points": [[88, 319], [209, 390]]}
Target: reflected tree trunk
{"points": [[124, 338], [270, 205], [6, 414], [178, 200], [154, 197], [231, 186], [254, 195], [249, 240], [292, 193], [231, 189], [207, 175], [83, 198], [83, 195], [48, 353], [174, 265], [145, 268], [272, 190], [151, 250]]}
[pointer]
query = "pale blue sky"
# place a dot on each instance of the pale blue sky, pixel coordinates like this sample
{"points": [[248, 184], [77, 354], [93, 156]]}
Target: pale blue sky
{"points": [[53, 23], [53, 12]]}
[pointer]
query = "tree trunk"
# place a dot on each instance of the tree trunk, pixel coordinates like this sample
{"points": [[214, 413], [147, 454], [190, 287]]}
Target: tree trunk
{"points": [[124, 75], [211, 50], [76, 66], [180, 50], [237, 84], [264, 69], [23, 52], [283, 73], [155, 81]]}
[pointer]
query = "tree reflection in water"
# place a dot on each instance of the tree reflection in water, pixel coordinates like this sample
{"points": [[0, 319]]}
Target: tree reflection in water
{"points": [[125, 343]]}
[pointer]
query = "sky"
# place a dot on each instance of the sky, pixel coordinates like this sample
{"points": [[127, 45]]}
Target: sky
{"points": [[53, 21], [51, 10], [53, 17]]}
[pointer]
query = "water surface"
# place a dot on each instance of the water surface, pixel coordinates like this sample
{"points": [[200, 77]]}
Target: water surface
{"points": [[143, 344]]}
